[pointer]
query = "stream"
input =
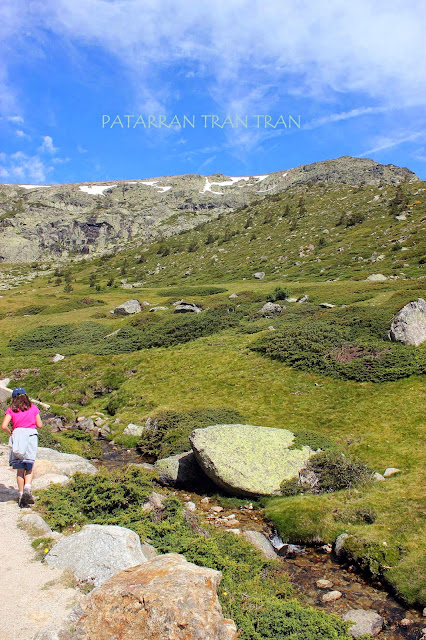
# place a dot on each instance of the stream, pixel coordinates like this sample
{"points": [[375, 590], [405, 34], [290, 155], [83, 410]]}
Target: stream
{"points": [[304, 570]]}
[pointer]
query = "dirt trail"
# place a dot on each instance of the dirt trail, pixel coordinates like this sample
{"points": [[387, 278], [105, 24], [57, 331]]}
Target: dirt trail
{"points": [[32, 594]]}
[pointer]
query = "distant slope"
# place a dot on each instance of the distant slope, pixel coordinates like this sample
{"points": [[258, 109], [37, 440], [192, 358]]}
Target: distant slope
{"points": [[60, 221]]}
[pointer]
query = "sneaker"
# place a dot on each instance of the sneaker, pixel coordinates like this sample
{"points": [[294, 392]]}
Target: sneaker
{"points": [[29, 496]]}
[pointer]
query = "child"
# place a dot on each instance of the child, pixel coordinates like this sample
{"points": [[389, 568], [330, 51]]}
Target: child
{"points": [[25, 419]]}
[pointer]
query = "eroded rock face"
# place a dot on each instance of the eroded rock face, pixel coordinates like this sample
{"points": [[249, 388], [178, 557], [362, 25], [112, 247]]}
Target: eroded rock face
{"points": [[248, 460], [409, 324], [166, 598], [97, 552]]}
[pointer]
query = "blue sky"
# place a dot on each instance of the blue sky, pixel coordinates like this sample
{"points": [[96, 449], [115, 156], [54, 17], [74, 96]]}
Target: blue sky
{"points": [[353, 73]]}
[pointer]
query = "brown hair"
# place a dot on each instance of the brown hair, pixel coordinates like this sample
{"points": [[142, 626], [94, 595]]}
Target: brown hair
{"points": [[20, 402]]}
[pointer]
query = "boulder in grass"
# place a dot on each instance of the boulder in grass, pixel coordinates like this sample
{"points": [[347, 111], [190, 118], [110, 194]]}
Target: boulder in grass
{"points": [[133, 430], [271, 307], [128, 308], [187, 307], [97, 552], [247, 460], [259, 275], [409, 324], [167, 597]]}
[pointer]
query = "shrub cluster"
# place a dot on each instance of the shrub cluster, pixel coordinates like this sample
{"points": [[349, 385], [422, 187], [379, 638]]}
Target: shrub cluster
{"points": [[70, 441], [170, 430]]}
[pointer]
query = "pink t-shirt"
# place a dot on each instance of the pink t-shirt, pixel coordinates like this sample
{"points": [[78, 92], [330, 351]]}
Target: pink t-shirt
{"points": [[24, 419]]}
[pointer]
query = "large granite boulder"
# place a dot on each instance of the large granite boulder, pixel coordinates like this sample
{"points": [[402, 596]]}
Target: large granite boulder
{"points": [[409, 324], [128, 308], [66, 463], [248, 460], [97, 552], [182, 471], [165, 598]]}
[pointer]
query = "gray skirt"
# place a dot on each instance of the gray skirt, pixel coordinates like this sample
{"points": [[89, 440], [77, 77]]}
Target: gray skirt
{"points": [[23, 448]]}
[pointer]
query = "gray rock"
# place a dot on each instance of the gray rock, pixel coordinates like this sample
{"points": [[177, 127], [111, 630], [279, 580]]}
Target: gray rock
{"points": [[33, 520], [232, 296], [87, 425], [378, 477], [377, 277], [364, 622], [67, 463], [187, 307], [259, 275], [134, 430], [181, 470], [324, 584], [248, 460], [327, 305], [158, 309], [47, 479], [290, 550], [58, 358], [339, 544], [129, 307], [97, 552], [270, 307], [303, 299], [261, 542], [190, 506], [409, 324], [391, 471]]}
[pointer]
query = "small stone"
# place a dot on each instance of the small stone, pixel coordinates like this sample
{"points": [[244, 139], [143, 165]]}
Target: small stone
{"points": [[405, 622], [58, 357], [327, 305], [326, 548], [331, 596], [378, 477], [324, 584], [259, 275], [231, 523], [205, 500], [190, 506], [338, 546], [236, 531], [216, 509], [377, 277], [390, 471], [364, 622]]}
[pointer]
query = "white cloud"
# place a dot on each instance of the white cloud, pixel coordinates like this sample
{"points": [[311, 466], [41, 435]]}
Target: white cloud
{"points": [[23, 167], [47, 146], [383, 143], [16, 119]]}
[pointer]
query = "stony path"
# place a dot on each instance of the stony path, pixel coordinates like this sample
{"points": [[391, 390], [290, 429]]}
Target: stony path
{"points": [[32, 594]]}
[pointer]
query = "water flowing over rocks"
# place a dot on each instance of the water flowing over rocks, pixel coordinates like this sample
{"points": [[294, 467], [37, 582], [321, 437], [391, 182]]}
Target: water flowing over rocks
{"points": [[248, 460], [165, 598]]}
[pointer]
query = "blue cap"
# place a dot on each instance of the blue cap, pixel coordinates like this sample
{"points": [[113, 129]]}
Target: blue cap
{"points": [[18, 391]]}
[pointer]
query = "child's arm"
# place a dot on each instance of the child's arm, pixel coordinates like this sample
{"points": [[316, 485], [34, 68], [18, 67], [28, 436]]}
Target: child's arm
{"points": [[4, 424], [38, 421]]}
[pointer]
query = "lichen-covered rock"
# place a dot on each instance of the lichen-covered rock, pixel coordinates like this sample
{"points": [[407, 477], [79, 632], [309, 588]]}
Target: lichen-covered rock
{"points": [[182, 471], [133, 429], [364, 622], [128, 308], [248, 460], [409, 324], [166, 598], [97, 552], [270, 307]]}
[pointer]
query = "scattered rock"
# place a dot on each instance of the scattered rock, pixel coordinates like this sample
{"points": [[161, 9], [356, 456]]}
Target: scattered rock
{"points": [[331, 596], [232, 296], [365, 622], [128, 308], [133, 430], [339, 544], [303, 299], [290, 550], [390, 471], [377, 277], [181, 470], [270, 307], [216, 509], [261, 542], [167, 597], [49, 478], [58, 357], [324, 584], [33, 520], [155, 502], [409, 324], [401, 217], [248, 460], [87, 424], [405, 622], [158, 309], [205, 500], [327, 305], [259, 275], [378, 477], [97, 552], [187, 307]]}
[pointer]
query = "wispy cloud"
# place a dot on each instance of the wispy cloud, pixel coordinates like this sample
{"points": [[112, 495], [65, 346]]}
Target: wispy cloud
{"points": [[47, 145], [345, 115], [383, 143], [22, 167]]}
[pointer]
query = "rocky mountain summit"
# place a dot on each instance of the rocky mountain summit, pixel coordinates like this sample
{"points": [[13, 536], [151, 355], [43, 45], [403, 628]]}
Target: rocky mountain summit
{"points": [[45, 222]]}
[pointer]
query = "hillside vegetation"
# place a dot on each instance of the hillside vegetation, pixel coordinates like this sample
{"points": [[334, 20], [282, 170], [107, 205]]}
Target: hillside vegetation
{"points": [[332, 371]]}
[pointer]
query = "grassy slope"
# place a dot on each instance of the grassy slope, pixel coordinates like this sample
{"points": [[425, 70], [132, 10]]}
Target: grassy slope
{"points": [[380, 423]]}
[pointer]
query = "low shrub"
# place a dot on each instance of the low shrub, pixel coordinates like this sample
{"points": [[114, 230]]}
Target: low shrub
{"points": [[74, 441], [170, 430], [279, 293], [69, 338], [179, 292]]}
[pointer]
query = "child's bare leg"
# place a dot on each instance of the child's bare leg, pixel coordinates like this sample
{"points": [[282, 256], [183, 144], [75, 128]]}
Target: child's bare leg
{"points": [[28, 477], [20, 477]]}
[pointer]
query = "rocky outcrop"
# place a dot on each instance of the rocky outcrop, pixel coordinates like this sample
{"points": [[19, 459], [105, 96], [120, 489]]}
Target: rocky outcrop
{"points": [[128, 308], [166, 598], [409, 324], [364, 622], [248, 460], [97, 552], [182, 471]]}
